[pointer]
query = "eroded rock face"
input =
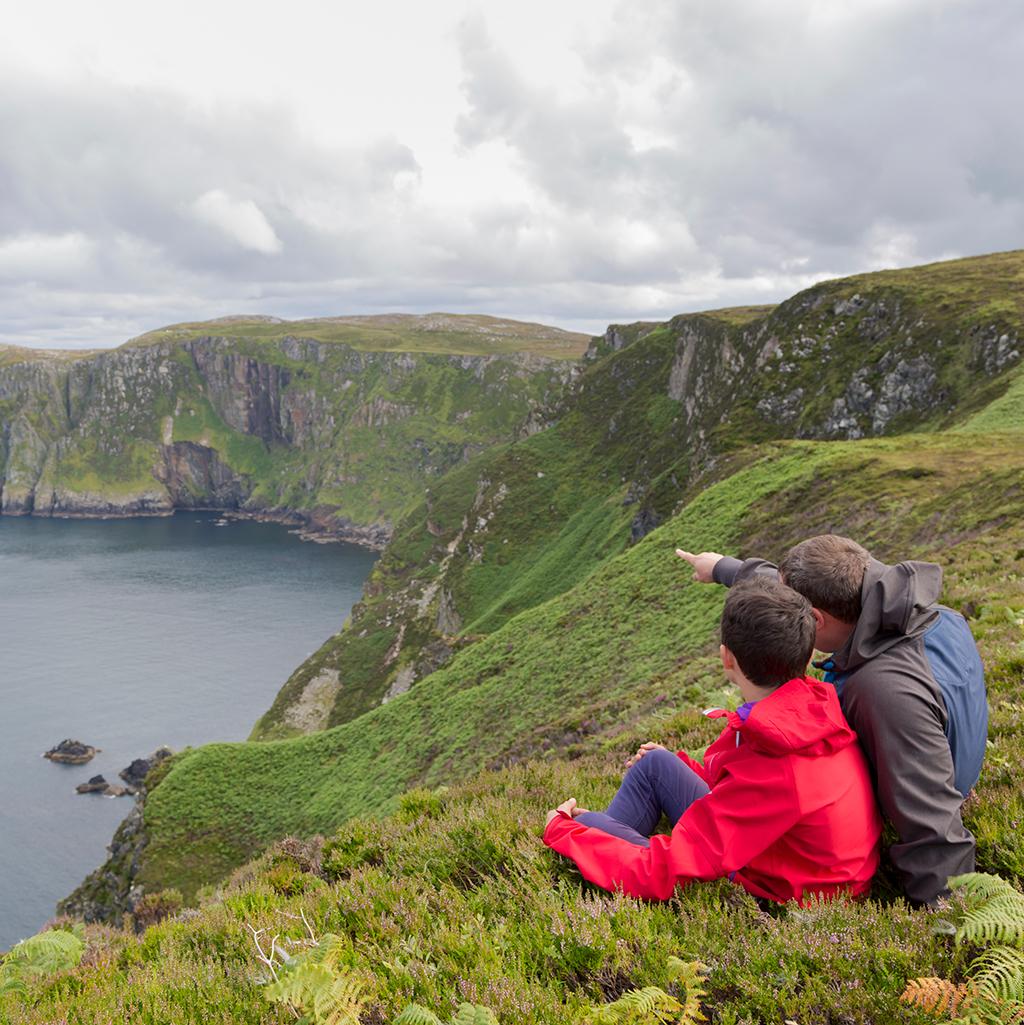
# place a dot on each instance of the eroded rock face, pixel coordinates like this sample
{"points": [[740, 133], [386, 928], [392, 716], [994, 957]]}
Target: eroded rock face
{"points": [[135, 774], [110, 892], [296, 430], [196, 477]]}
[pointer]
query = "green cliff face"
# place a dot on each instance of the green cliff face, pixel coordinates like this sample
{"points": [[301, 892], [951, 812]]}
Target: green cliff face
{"points": [[657, 412], [341, 438]]}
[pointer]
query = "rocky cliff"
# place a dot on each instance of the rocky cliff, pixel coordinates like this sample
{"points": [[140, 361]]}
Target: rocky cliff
{"points": [[312, 431], [657, 412]]}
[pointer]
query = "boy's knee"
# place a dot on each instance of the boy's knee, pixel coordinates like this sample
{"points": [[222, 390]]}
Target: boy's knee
{"points": [[656, 760]]}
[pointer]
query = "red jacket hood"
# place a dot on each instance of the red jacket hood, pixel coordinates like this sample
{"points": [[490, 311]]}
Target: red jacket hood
{"points": [[800, 717]]}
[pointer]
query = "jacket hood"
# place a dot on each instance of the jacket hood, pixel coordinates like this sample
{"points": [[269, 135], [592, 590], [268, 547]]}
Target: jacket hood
{"points": [[801, 717], [896, 602]]}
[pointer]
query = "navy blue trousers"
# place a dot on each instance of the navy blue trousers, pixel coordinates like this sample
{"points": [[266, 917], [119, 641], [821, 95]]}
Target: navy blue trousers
{"points": [[659, 783]]}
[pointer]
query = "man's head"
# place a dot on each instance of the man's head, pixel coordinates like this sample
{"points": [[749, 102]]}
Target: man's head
{"points": [[828, 571], [768, 629]]}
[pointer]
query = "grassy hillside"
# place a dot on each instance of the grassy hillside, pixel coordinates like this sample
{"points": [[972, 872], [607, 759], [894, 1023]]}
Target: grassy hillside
{"points": [[616, 646], [657, 411], [528, 625], [444, 333], [453, 898]]}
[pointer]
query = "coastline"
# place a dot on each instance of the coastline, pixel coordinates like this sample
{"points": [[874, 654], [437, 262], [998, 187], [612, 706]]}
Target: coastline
{"points": [[319, 528]]}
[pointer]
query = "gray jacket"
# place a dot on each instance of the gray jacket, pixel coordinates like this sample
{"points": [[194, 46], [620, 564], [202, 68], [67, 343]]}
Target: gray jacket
{"points": [[908, 665]]}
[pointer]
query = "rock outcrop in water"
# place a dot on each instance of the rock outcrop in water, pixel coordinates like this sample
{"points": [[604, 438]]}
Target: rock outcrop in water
{"points": [[71, 752]]}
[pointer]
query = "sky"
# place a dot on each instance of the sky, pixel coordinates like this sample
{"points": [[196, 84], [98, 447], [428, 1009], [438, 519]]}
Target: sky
{"points": [[578, 163]]}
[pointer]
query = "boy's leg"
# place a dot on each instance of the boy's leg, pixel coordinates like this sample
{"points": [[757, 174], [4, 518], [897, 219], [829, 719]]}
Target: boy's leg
{"points": [[659, 782], [604, 822]]}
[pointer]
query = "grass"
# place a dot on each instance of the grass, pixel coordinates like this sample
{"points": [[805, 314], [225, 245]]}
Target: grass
{"points": [[451, 897], [585, 662], [442, 333]]}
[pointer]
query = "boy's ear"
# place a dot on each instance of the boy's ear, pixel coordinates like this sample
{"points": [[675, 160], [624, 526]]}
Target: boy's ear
{"points": [[728, 658]]}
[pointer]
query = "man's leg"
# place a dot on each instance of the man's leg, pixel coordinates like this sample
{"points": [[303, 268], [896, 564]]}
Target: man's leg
{"points": [[659, 782]]}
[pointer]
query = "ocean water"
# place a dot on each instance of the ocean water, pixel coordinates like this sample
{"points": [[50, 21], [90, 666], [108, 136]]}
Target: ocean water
{"points": [[129, 634]]}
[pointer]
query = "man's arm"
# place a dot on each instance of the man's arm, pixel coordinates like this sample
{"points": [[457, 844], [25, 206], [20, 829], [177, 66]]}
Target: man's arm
{"points": [[903, 737], [710, 567]]}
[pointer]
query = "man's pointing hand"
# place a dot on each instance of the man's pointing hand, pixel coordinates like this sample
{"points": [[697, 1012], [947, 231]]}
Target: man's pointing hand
{"points": [[703, 564]]}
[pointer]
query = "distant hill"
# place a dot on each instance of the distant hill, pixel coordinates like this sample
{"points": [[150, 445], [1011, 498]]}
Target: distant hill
{"points": [[335, 424], [448, 333]]}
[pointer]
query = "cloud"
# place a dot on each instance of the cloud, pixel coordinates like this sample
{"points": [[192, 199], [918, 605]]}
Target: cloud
{"points": [[681, 155], [802, 131], [239, 219], [30, 256]]}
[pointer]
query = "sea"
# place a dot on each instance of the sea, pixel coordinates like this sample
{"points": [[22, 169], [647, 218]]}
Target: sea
{"points": [[128, 635]]}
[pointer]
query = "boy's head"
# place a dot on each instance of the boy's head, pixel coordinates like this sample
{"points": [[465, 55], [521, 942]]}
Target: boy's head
{"points": [[828, 571], [768, 628]]}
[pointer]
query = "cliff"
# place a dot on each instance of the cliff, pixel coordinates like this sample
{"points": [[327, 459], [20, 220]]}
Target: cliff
{"points": [[657, 412], [317, 431]]}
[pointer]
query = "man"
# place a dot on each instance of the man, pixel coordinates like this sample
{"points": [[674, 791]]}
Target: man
{"points": [[911, 685]]}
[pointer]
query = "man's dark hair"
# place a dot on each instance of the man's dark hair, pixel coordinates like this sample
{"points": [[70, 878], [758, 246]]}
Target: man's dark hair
{"points": [[828, 571], [770, 630]]}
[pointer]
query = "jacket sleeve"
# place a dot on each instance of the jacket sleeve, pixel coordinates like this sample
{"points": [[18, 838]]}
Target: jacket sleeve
{"points": [[902, 734], [729, 571], [752, 806]]}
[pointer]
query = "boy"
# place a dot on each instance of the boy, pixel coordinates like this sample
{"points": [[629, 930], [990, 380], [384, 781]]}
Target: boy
{"points": [[782, 804]]}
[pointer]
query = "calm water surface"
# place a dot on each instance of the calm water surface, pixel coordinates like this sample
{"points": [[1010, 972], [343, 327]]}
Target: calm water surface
{"points": [[129, 634]]}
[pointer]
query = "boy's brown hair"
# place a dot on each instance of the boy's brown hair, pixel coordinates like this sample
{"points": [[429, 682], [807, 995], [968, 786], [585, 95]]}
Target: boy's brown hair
{"points": [[828, 571], [769, 628]]}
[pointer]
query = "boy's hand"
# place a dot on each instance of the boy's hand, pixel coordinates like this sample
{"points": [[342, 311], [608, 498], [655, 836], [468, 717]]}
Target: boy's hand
{"points": [[642, 750], [570, 808], [703, 564]]}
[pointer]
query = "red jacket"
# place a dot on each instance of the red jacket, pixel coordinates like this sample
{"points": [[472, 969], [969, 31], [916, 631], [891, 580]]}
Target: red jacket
{"points": [[791, 810]]}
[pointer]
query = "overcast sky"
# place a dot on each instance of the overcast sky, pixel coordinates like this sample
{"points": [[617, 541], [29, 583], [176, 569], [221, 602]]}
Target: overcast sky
{"points": [[577, 162]]}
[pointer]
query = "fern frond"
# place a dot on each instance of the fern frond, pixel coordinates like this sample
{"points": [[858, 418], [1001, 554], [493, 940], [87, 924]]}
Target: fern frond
{"points": [[52, 951], [637, 1005], [415, 1014], [999, 974], [298, 984], [937, 996], [980, 884], [690, 974], [340, 1003], [474, 1014], [331, 950], [1000, 919], [984, 1011]]}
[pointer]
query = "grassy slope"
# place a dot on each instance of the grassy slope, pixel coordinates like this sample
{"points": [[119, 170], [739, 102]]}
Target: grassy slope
{"points": [[523, 524], [453, 898], [580, 664], [446, 333]]}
